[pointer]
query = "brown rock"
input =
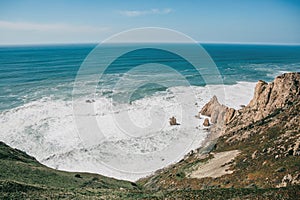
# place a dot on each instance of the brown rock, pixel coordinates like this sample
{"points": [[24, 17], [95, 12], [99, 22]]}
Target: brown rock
{"points": [[206, 122], [269, 97], [214, 110], [229, 115], [209, 108], [296, 150], [173, 121], [254, 155]]}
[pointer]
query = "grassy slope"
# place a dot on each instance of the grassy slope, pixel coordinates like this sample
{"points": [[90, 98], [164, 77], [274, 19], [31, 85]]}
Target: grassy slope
{"points": [[21, 176]]}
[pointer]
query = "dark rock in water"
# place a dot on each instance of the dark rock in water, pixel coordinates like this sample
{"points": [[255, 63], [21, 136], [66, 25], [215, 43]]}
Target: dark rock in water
{"points": [[206, 122], [90, 101], [173, 121]]}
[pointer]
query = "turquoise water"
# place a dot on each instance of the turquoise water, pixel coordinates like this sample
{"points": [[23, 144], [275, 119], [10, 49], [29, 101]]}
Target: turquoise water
{"points": [[29, 73]]}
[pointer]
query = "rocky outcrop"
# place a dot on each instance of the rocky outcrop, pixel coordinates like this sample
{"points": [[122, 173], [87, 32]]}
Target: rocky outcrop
{"points": [[214, 110], [217, 112], [206, 122], [289, 180], [268, 99], [210, 107], [229, 115], [284, 90], [173, 121], [266, 132]]}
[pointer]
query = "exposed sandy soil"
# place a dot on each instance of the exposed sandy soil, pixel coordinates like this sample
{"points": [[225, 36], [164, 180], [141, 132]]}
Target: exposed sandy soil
{"points": [[217, 166]]}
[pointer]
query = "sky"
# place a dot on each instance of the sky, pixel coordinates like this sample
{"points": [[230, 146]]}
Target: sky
{"points": [[207, 21]]}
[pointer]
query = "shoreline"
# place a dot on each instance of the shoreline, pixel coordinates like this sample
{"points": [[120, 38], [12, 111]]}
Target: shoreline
{"points": [[42, 110]]}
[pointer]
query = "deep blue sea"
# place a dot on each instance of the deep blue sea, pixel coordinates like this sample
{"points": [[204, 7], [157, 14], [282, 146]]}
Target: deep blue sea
{"points": [[28, 73]]}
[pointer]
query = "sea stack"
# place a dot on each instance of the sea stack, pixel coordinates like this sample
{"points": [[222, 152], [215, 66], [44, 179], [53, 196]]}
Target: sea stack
{"points": [[173, 121], [206, 122]]}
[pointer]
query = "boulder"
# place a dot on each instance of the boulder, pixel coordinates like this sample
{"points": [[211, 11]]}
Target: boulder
{"points": [[173, 121], [206, 122], [89, 101], [229, 114], [78, 176]]}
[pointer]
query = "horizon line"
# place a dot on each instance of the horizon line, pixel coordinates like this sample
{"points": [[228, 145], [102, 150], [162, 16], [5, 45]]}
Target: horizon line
{"points": [[199, 42]]}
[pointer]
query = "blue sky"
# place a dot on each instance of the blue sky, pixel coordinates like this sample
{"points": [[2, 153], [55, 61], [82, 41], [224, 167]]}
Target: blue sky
{"points": [[78, 21]]}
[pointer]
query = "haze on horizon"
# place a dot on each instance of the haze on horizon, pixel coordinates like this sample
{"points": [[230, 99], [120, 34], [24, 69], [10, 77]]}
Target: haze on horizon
{"points": [[215, 21]]}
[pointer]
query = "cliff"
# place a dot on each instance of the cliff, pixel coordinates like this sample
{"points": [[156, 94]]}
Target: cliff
{"points": [[270, 99], [257, 146]]}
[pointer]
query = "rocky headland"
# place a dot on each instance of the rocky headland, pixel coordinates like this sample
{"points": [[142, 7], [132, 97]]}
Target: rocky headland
{"points": [[256, 146]]}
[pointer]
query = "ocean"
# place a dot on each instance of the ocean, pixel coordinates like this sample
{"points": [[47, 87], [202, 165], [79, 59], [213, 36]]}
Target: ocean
{"points": [[37, 102]]}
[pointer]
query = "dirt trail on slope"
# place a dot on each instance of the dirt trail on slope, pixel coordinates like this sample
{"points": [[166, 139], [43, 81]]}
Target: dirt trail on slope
{"points": [[217, 166]]}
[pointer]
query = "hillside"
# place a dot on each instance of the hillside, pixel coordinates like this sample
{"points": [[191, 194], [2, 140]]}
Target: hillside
{"points": [[252, 153], [255, 147], [23, 176]]}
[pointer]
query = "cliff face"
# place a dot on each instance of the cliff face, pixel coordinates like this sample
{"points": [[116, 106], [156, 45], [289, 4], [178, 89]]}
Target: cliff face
{"points": [[268, 98], [264, 135], [281, 93]]}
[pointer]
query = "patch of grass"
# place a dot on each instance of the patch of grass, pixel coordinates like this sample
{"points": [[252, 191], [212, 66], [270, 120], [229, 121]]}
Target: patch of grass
{"points": [[23, 170]]}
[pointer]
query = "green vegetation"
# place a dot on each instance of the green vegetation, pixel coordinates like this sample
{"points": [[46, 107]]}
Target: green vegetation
{"points": [[22, 177], [21, 174]]}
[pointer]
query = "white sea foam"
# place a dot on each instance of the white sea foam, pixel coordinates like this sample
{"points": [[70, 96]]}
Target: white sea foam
{"points": [[47, 130]]}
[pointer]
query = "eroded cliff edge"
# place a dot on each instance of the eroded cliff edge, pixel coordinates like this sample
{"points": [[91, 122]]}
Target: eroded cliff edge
{"points": [[270, 99]]}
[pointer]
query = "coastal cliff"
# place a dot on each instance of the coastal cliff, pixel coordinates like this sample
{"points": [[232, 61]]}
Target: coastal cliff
{"points": [[270, 102], [257, 146], [269, 99]]}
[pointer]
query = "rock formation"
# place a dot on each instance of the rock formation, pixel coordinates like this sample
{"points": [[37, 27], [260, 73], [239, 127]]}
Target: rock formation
{"points": [[268, 98], [218, 113], [266, 132], [214, 110], [206, 122], [173, 121]]}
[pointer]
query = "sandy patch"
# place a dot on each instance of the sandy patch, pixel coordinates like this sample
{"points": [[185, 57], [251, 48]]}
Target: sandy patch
{"points": [[217, 166]]}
